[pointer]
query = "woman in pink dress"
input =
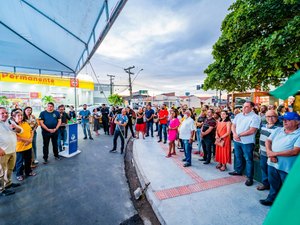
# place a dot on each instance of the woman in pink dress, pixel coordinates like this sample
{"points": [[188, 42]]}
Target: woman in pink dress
{"points": [[172, 133]]}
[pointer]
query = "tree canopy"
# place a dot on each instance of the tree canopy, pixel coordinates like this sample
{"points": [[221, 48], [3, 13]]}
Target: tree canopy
{"points": [[115, 99], [259, 46]]}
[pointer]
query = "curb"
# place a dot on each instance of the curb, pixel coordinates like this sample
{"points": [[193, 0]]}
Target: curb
{"points": [[143, 180]]}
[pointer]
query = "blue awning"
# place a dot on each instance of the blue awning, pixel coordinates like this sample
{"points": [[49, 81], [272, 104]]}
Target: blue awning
{"points": [[53, 36]]}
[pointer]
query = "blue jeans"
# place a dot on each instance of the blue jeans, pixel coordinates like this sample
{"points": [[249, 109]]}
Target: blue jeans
{"points": [[187, 151], [241, 152], [264, 170], [116, 135], [199, 138], [34, 145], [149, 126], [86, 127], [62, 136], [23, 162], [162, 129], [276, 179]]}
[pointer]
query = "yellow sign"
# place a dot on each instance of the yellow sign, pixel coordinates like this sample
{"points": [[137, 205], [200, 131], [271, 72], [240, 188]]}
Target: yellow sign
{"points": [[45, 80]]}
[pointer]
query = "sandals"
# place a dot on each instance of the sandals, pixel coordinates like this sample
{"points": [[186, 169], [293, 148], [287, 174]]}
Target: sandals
{"points": [[169, 155], [173, 153], [223, 168], [31, 174], [20, 178], [218, 166]]}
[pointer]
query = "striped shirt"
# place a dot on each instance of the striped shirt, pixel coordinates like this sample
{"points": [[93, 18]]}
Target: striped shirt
{"points": [[265, 132]]}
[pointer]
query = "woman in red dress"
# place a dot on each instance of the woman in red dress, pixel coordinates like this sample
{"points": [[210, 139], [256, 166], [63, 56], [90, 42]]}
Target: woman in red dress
{"points": [[223, 149]]}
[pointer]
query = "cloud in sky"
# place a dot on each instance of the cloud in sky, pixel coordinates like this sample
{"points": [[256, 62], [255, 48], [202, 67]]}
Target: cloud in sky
{"points": [[171, 40]]}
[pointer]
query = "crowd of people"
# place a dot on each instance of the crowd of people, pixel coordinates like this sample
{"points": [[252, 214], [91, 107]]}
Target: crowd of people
{"points": [[217, 131]]}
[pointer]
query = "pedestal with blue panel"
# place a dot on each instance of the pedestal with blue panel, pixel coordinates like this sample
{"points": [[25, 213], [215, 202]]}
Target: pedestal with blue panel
{"points": [[71, 149]]}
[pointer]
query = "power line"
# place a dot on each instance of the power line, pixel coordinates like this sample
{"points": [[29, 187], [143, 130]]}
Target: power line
{"points": [[97, 80]]}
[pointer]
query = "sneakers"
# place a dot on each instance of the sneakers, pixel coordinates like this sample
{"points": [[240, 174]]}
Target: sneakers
{"points": [[7, 192], [13, 185], [262, 188], [36, 162], [265, 202], [113, 150], [234, 173], [249, 182], [57, 158], [91, 138], [186, 165], [45, 161]]}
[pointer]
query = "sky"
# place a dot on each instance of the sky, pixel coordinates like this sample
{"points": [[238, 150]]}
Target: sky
{"points": [[168, 41]]}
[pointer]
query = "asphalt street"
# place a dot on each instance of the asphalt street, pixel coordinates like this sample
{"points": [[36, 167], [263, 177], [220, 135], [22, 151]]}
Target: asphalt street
{"points": [[89, 188]]}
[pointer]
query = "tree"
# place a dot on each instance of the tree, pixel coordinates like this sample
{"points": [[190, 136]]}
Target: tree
{"points": [[259, 46], [4, 101], [46, 99], [115, 99]]}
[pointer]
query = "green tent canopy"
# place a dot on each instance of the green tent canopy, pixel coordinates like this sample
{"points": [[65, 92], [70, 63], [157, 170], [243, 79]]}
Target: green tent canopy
{"points": [[289, 88]]}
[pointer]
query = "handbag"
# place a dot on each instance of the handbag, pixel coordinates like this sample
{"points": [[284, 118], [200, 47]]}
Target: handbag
{"points": [[219, 143]]}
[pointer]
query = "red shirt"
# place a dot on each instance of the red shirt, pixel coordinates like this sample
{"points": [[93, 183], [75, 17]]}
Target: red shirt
{"points": [[163, 113]]}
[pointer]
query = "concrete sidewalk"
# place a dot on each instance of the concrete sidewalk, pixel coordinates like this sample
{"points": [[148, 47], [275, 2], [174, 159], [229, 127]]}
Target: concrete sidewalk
{"points": [[199, 194]]}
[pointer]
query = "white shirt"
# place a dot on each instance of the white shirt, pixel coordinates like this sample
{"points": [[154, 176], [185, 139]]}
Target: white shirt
{"points": [[8, 138], [187, 126], [243, 122]]}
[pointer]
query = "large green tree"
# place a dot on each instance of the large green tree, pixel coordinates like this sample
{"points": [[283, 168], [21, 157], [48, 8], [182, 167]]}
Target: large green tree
{"points": [[259, 45]]}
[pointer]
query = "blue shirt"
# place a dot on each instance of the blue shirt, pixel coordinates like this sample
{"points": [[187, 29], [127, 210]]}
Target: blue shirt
{"points": [[50, 119], [282, 141], [149, 113], [85, 115], [122, 119]]}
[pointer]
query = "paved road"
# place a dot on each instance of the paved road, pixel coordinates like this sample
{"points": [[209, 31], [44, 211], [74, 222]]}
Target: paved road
{"points": [[89, 188]]}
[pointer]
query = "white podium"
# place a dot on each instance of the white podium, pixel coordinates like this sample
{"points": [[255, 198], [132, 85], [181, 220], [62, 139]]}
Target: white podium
{"points": [[71, 149]]}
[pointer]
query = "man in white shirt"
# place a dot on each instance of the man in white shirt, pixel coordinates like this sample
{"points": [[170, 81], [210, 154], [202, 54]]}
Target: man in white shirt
{"points": [[244, 127], [8, 142], [186, 133]]}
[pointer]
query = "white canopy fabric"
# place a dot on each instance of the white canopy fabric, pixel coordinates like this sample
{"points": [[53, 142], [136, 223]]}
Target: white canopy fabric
{"points": [[53, 36]]}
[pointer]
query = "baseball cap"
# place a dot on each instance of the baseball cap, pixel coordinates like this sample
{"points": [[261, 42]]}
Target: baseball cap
{"points": [[290, 116]]}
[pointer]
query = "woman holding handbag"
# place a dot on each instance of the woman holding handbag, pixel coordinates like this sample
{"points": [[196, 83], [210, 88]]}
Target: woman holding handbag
{"points": [[223, 142]]}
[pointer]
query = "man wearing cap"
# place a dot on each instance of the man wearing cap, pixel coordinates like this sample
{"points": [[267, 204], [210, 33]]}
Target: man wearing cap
{"points": [[283, 148]]}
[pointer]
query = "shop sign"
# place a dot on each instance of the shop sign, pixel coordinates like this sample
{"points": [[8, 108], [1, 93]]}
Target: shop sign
{"points": [[34, 94], [45, 80], [74, 82]]}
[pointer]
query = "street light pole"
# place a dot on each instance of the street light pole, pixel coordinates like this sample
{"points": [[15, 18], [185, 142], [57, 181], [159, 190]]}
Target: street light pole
{"points": [[127, 70]]}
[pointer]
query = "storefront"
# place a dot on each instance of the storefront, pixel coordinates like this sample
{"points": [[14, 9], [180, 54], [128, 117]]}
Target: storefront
{"points": [[25, 89]]}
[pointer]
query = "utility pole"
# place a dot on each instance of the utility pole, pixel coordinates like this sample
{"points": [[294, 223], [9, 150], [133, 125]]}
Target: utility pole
{"points": [[111, 77], [127, 70]]}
